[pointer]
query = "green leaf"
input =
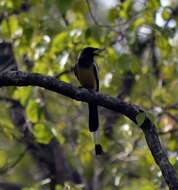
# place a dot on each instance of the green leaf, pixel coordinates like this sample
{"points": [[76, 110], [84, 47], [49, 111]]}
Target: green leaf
{"points": [[4, 28], [173, 160], [140, 118], [42, 133], [3, 158], [172, 145], [150, 116], [125, 9], [166, 13], [32, 111], [7, 128], [113, 14], [22, 94], [59, 41], [13, 23], [9, 5], [138, 22], [154, 4], [112, 55]]}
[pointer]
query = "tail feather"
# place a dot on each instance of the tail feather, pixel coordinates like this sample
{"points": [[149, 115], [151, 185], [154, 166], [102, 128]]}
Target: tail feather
{"points": [[93, 117], [93, 126], [98, 149]]}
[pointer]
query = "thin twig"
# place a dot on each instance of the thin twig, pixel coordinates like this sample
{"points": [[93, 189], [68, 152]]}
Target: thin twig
{"points": [[111, 27], [92, 16], [171, 106], [67, 71]]}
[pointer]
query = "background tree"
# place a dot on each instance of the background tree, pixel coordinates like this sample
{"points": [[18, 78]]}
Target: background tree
{"points": [[45, 143]]}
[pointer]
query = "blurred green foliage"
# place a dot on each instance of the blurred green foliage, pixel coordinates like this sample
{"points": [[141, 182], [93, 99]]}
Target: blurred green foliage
{"points": [[51, 34]]}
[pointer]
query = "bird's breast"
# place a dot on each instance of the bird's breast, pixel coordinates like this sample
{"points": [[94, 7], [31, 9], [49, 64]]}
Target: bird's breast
{"points": [[87, 77]]}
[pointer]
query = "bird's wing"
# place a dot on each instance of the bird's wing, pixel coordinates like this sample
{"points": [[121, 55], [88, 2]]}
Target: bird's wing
{"points": [[96, 76]]}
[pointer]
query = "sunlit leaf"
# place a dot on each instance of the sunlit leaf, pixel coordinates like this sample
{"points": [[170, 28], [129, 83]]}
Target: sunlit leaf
{"points": [[153, 4], [22, 94], [13, 23], [4, 28], [173, 160], [125, 9], [59, 41], [42, 133], [166, 13], [32, 111]]}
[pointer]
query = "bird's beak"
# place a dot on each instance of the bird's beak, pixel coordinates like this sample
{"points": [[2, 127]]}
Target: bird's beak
{"points": [[98, 51]]}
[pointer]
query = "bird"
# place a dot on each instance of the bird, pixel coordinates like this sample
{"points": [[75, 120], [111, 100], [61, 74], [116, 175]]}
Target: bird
{"points": [[86, 72]]}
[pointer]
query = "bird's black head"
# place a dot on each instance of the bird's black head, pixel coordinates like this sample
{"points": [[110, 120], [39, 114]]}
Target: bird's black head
{"points": [[90, 51], [86, 57]]}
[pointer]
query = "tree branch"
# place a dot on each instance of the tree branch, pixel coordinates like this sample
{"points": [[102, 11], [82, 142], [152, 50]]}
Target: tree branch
{"points": [[67, 71], [17, 78], [10, 186]]}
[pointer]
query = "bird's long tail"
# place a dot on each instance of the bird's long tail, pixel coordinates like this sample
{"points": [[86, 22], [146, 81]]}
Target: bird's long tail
{"points": [[93, 126]]}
